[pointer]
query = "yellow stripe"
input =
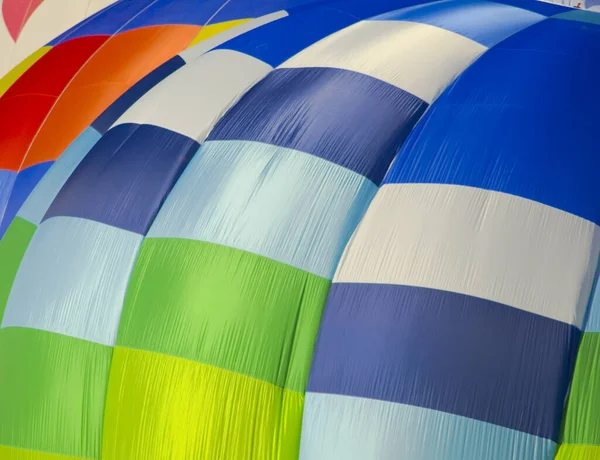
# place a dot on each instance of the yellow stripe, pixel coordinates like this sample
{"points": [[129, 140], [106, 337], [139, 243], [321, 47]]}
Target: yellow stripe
{"points": [[14, 453], [12, 76], [578, 452], [160, 407], [213, 29]]}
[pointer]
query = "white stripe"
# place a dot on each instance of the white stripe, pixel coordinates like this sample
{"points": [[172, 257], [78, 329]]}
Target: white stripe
{"points": [[192, 100], [206, 45], [418, 58], [476, 242]]}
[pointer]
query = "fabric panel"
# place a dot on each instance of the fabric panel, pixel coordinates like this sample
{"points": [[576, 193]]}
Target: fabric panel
{"points": [[417, 58], [72, 279], [25, 182], [192, 100], [486, 244], [321, 111], [582, 424], [241, 194], [54, 400], [42, 196], [348, 428], [12, 249], [125, 178], [160, 407], [133, 94], [224, 307], [445, 351], [463, 139], [485, 22]]}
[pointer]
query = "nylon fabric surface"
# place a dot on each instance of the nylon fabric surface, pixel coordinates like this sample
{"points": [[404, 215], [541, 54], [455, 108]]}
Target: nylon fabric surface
{"points": [[299, 229]]}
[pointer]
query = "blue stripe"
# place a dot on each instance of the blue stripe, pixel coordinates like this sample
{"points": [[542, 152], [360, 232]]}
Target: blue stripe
{"points": [[24, 184], [445, 351], [545, 8], [126, 176], [7, 181], [279, 40], [39, 200], [513, 123], [487, 23], [106, 22], [346, 428], [323, 111], [131, 96], [240, 194]]}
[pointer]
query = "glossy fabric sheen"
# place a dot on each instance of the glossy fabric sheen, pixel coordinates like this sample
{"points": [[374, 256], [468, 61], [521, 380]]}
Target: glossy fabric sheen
{"points": [[369, 333], [275, 109], [226, 193], [125, 178], [485, 22], [350, 428], [508, 90]]}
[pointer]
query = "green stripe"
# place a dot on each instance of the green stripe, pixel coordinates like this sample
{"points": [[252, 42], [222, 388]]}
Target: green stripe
{"points": [[52, 392], [224, 307], [12, 249], [582, 420]]}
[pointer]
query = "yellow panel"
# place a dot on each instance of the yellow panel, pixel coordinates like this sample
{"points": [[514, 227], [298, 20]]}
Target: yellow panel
{"points": [[160, 407], [13, 453], [578, 452], [214, 29], [12, 76]]}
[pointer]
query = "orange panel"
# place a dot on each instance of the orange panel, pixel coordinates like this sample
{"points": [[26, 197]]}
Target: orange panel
{"points": [[26, 104], [122, 61]]}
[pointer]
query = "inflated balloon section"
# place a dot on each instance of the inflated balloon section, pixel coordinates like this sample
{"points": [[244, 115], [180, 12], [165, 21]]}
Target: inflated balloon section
{"points": [[294, 229]]}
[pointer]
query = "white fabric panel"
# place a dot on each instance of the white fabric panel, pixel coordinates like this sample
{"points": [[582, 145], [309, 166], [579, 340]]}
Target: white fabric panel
{"points": [[476, 242], [216, 40], [6, 47], [192, 100], [418, 58], [50, 19], [337, 427], [73, 279]]}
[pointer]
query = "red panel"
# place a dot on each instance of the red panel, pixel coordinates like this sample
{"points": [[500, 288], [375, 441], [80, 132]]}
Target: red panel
{"points": [[26, 104], [16, 13], [118, 65]]}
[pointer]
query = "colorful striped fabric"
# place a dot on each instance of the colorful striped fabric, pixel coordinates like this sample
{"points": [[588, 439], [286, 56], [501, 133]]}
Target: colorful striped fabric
{"points": [[303, 229]]}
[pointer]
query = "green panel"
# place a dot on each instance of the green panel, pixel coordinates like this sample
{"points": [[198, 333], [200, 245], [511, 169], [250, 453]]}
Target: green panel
{"points": [[580, 15], [52, 392], [225, 307], [12, 249], [582, 423]]}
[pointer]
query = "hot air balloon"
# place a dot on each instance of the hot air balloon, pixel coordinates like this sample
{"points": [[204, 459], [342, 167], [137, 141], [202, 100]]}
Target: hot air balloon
{"points": [[295, 229]]}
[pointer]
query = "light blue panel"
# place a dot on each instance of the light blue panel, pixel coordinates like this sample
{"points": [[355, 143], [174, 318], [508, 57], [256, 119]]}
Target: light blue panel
{"points": [[7, 181], [43, 194], [592, 323], [349, 428], [73, 278], [287, 205]]}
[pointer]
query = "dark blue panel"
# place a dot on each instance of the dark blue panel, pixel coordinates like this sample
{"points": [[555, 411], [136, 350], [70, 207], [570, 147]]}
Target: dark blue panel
{"points": [[126, 176], [105, 22], [345, 117], [238, 9], [520, 120], [118, 108], [24, 184], [445, 351], [485, 22]]}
